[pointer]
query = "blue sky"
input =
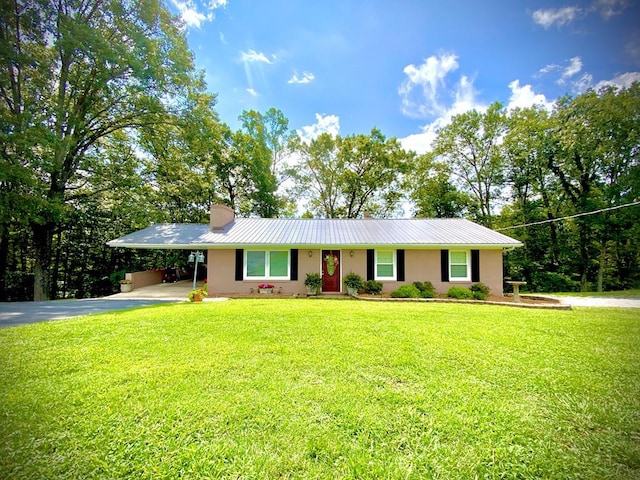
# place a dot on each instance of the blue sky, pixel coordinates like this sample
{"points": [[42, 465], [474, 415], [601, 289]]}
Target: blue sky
{"points": [[405, 67]]}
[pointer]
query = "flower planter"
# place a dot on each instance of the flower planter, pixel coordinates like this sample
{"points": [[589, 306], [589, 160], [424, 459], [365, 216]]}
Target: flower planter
{"points": [[197, 298], [352, 291], [265, 291], [126, 287]]}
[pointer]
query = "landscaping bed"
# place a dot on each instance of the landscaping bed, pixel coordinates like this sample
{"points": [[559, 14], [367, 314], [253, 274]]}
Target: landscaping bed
{"points": [[526, 301]]}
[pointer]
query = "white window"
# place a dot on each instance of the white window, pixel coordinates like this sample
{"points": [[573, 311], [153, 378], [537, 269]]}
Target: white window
{"points": [[385, 265], [459, 265], [266, 265]]}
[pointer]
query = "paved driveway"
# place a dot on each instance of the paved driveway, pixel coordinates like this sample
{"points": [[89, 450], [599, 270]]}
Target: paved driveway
{"points": [[21, 313], [600, 302]]}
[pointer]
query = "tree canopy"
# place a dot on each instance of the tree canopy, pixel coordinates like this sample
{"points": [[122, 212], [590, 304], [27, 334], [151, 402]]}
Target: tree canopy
{"points": [[106, 126]]}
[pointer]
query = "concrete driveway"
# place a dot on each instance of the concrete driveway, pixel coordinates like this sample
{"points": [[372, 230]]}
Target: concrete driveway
{"points": [[599, 302], [22, 313]]}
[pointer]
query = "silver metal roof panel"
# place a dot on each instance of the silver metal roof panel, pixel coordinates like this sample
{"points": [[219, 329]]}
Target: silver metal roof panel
{"points": [[247, 232]]}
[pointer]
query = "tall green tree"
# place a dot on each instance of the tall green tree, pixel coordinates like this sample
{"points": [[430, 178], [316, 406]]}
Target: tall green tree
{"points": [[536, 197], [596, 149], [72, 73], [318, 175], [346, 177], [270, 136], [471, 147], [373, 173], [432, 190]]}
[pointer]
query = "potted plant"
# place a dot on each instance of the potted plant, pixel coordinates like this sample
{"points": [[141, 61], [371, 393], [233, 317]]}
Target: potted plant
{"points": [[313, 282], [265, 288], [126, 285], [353, 282], [197, 294]]}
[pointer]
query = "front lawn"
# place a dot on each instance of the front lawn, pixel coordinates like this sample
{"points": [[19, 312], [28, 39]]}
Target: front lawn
{"points": [[323, 389]]}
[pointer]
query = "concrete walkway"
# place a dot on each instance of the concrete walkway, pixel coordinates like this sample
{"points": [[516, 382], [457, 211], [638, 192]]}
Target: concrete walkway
{"points": [[178, 291]]}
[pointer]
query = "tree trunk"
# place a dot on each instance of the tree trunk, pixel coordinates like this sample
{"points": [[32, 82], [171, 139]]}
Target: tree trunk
{"points": [[4, 252], [42, 242], [584, 257], [603, 254], [55, 270]]}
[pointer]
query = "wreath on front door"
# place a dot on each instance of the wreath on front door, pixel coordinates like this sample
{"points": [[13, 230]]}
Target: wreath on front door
{"points": [[332, 263]]}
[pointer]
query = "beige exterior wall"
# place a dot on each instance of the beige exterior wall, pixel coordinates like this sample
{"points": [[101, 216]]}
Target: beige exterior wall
{"points": [[420, 265], [146, 278]]}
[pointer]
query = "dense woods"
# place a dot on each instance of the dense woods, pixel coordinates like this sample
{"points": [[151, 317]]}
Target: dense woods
{"points": [[107, 127]]}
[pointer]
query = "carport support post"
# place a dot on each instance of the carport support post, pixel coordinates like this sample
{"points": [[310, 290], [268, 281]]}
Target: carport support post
{"points": [[195, 257]]}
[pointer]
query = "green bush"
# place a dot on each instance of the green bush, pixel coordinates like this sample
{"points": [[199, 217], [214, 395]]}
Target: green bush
{"points": [[373, 287], [426, 289], [480, 291], [406, 291], [553, 282], [460, 293], [353, 280]]}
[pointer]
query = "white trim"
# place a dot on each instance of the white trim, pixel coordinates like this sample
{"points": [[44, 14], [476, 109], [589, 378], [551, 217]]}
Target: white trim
{"points": [[468, 265], [267, 265]]}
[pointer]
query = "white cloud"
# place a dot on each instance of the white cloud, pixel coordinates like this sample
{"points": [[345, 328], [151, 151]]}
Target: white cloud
{"points": [[624, 80], [252, 92], [574, 67], [307, 77], [436, 98], [525, 97], [192, 15], [422, 142], [252, 56], [568, 74], [189, 13], [324, 124], [583, 83], [548, 68], [464, 101], [558, 16], [421, 90], [610, 8]]}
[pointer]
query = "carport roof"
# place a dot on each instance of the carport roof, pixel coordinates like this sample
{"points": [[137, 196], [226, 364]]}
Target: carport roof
{"points": [[260, 232]]}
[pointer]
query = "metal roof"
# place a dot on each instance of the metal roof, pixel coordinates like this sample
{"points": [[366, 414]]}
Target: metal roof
{"points": [[248, 232], [163, 235]]}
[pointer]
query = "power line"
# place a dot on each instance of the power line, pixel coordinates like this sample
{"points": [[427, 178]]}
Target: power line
{"points": [[571, 216]]}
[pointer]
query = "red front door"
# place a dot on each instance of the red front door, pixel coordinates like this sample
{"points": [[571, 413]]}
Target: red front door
{"points": [[331, 271]]}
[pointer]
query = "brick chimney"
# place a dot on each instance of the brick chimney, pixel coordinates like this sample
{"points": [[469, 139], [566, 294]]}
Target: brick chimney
{"points": [[220, 217]]}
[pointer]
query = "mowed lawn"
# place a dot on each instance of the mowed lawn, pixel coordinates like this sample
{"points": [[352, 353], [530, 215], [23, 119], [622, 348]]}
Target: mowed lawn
{"points": [[323, 389]]}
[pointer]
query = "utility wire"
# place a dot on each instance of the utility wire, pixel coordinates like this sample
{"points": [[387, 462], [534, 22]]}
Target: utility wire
{"points": [[571, 216]]}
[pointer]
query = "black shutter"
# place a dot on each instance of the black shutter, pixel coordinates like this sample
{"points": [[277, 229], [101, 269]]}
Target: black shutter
{"points": [[239, 264], [475, 265], [294, 264], [444, 265], [371, 267], [400, 266]]}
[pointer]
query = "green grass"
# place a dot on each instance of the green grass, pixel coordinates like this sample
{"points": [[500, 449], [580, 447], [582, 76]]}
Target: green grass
{"points": [[321, 389]]}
